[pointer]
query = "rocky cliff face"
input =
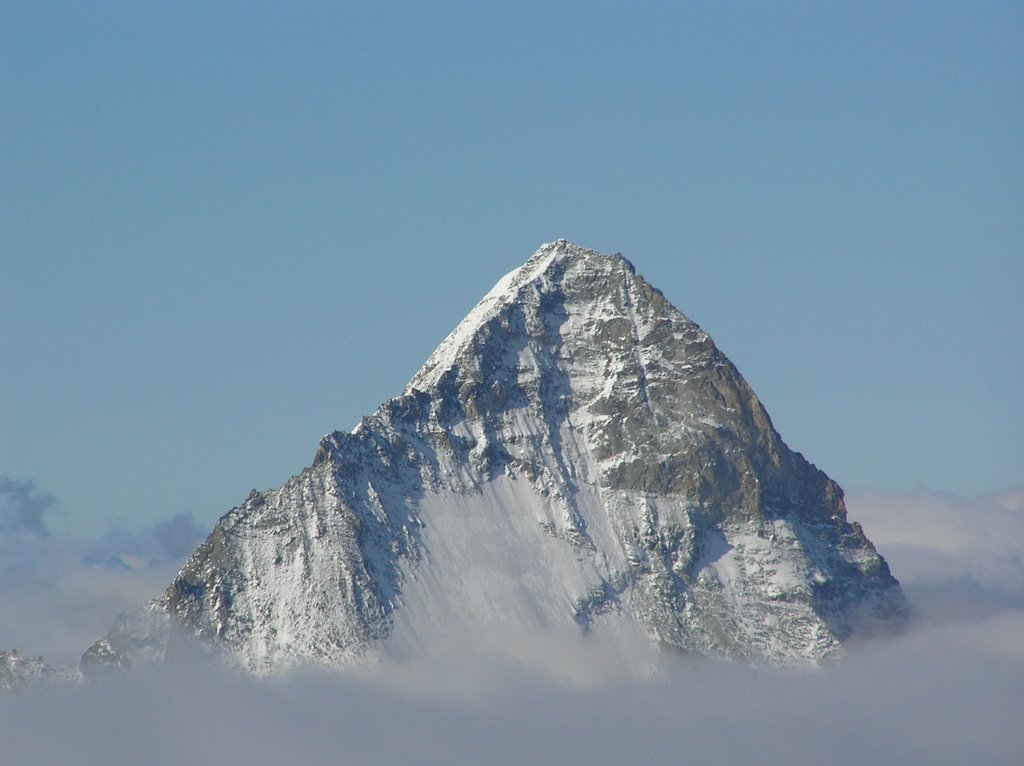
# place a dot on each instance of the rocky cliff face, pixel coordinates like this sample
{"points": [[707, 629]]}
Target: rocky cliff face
{"points": [[577, 452]]}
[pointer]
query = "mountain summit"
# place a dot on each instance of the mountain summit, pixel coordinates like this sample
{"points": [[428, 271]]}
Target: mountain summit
{"points": [[576, 453]]}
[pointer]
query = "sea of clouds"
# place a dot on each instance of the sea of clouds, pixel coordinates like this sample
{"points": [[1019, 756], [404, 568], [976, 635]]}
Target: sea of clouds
{"points": [[949, 691]]}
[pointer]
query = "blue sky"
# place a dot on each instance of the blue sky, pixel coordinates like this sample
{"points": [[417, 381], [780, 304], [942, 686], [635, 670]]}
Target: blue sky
{"points": [[225, 231]]}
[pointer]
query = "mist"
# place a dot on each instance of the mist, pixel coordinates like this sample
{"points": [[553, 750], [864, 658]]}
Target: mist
{"points": [[58, 595], [948, 691]]}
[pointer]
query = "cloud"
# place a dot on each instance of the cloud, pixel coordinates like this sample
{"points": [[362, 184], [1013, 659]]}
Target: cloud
{"points": [[23, 507], [179, 535], [946, 692], [904, 702], [174, 538], [59, 595], [964, 553]]}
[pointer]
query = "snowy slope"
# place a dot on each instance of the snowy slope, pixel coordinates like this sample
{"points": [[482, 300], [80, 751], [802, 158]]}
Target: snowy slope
{"points": [[576, 455]]}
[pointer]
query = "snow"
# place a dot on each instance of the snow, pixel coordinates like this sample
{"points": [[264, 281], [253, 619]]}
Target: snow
{"points": [[504, 292], [495, 579]]}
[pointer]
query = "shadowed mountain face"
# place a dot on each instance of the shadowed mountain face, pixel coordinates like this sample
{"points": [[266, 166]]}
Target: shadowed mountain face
{"points": [[576, 453]]}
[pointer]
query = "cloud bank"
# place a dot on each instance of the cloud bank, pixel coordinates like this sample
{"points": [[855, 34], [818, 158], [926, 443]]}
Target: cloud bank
{"points": [[949, 691], [57, 595], [957, 558]]}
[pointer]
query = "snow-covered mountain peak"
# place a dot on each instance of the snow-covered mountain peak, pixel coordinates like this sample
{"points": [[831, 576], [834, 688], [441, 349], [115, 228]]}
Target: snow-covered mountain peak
{"points": [[548, 267], [575, 455]]}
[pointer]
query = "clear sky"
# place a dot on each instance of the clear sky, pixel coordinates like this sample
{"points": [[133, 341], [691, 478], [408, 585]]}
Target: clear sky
{"points": [[225, 231]]}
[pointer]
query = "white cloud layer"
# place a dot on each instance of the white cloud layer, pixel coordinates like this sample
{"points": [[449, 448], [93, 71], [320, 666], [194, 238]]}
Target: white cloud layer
{"points": [[949, 691], [957, 558], [57, 596]]}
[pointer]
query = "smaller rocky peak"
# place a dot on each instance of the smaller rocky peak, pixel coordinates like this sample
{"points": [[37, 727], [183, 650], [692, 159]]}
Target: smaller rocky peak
{"points": [[18, 672]]}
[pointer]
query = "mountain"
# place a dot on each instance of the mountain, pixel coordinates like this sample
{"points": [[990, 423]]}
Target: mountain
{"points": [[18, 672], [576, 453]]}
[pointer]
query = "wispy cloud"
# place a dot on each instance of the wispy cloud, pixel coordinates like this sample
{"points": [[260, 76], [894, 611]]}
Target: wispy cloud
{"points": [[23, 507], [58, 595], [955, 556], [178, 535], [173, 538]]}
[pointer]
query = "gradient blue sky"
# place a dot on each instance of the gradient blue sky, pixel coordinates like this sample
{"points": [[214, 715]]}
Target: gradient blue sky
{"points": [[228, 230]]}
